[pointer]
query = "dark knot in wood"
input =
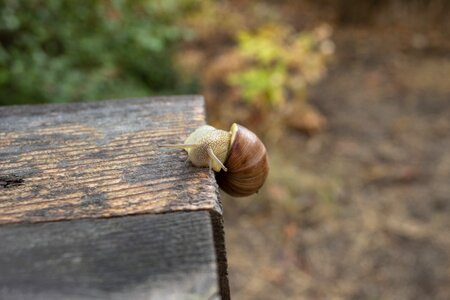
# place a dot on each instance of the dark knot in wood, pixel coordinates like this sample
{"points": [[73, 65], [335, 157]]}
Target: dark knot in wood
{"points": [[10, 180]]}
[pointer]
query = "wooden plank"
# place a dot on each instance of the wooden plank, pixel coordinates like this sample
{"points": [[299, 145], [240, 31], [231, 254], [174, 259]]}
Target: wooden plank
{"points": [[165, 256], [85, 160]]}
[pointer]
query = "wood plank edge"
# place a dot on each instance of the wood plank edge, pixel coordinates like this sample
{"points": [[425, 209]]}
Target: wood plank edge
{"points": [[221, 255], [93, 104]]}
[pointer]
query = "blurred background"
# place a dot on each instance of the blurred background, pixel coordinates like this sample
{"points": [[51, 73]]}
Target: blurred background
{"points": [[351, 97]]}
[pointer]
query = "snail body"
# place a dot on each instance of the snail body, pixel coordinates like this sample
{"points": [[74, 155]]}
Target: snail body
{"points": [[238, 157]]}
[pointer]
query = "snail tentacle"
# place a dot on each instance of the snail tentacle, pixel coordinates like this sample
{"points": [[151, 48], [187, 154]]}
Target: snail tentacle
{"points": [[212, 156], [179, 146]]}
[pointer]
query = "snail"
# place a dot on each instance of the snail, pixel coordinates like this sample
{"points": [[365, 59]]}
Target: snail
{"points": [[238, 157]]}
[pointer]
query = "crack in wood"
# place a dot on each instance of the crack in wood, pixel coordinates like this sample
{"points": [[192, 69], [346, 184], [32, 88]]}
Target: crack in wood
{"points": [[10, 180]]}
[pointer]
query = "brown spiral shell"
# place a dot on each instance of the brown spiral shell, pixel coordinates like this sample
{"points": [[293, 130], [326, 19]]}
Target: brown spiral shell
{"points": [[247, 164]]}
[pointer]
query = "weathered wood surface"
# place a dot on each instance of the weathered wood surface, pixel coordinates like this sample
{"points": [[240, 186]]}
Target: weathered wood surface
{"points": [[164, 256], [93, 161], [85, 160]]}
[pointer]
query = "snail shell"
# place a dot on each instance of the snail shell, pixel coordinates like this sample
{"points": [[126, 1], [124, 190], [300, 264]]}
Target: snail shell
{"points": [[238, 156], [247, 164]]}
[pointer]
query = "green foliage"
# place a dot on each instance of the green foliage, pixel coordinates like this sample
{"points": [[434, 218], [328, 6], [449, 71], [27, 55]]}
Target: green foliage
{"points": [[63, 50], [280, 63]]}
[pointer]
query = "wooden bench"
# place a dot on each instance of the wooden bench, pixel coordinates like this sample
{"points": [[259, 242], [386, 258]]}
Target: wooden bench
{"points": [[90, 208]]}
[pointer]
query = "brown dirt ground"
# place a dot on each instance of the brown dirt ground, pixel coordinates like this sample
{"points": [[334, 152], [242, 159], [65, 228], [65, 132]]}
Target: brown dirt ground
{"points": [[362, 209]]}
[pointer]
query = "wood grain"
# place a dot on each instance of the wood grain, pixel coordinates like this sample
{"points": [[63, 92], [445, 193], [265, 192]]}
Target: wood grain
{"points": [[165, 256], [86, 160]]}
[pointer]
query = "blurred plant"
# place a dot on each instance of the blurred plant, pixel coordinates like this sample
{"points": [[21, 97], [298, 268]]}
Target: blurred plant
{"points": [[58, 51], [214, 19], [281, 63]]}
